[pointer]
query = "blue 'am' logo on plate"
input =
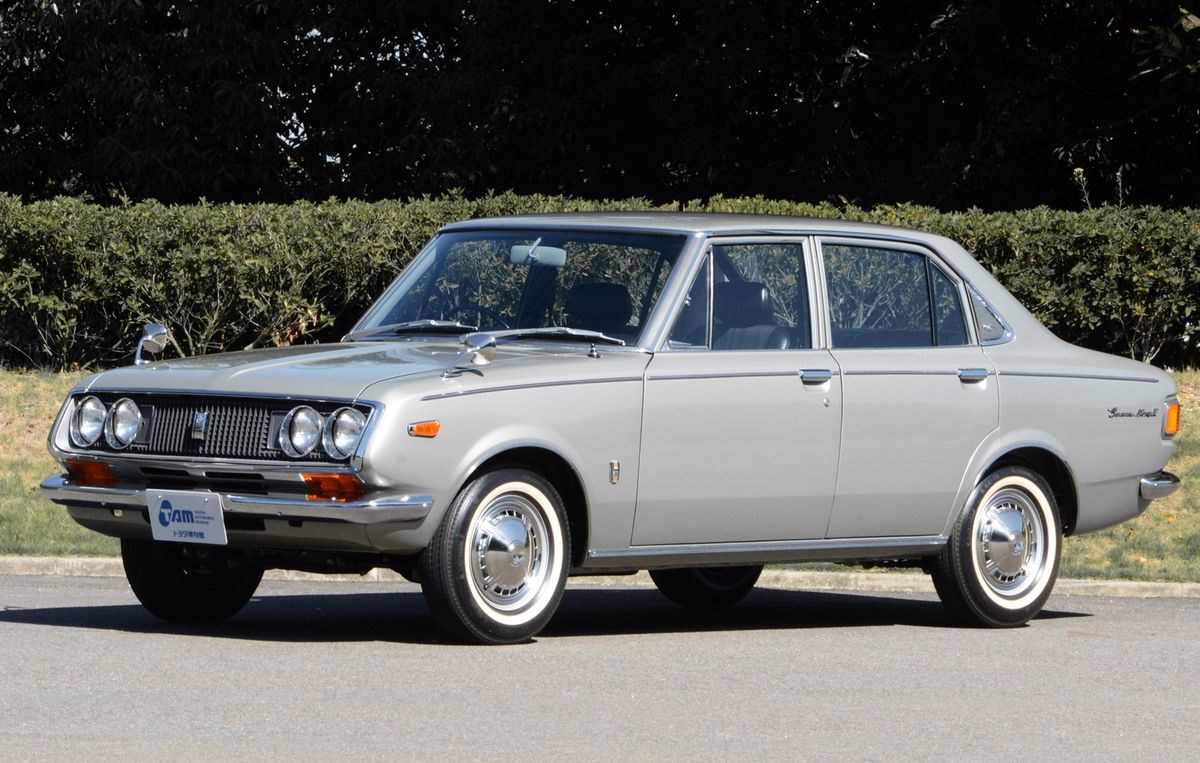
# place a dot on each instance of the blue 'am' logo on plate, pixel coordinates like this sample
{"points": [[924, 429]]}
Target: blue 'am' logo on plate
{"points": [[167, 514]]}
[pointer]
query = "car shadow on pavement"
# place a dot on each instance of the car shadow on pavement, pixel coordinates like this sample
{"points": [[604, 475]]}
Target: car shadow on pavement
{"points": [[593, 612], [402, 617]]}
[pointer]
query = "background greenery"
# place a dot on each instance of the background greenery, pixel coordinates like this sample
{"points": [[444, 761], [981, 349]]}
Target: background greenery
{"points": [[1162, 544], [77, 280], [951, 103]]}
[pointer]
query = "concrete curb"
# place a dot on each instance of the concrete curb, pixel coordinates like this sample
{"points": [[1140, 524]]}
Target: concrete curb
{"points": [[869, 582]]}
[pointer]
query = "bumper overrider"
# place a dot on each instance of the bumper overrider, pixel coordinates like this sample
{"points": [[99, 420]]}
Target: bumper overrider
{"points": [[378, 509], [1158, 485]]}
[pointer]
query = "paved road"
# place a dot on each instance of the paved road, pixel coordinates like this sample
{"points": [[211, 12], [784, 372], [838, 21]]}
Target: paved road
{"points": [[314, 670]]}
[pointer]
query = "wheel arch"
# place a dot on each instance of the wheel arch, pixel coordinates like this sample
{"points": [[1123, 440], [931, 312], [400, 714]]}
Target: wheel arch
{"points": [[1054, 470], [561, 474]]}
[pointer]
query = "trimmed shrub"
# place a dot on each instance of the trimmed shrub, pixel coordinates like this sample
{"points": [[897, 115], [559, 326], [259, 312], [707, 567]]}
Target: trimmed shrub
{"points": [[77, 280]]}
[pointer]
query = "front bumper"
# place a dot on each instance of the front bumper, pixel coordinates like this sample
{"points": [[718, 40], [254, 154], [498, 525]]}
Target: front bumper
{"points": [[1158, 485], [380, 509]]}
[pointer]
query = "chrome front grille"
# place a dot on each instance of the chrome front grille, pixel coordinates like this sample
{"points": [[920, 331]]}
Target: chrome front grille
{"points": [[236, 428]]}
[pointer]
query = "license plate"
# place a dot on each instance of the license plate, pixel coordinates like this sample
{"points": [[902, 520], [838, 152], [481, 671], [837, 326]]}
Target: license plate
{"points": [[183, 517]]}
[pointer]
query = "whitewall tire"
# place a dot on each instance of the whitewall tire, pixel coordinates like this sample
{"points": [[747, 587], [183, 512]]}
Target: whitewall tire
{"points": [[1002, 558], [496, 567]]}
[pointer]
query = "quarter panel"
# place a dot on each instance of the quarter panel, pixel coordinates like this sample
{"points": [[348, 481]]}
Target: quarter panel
{"points": [[1107, 413]]}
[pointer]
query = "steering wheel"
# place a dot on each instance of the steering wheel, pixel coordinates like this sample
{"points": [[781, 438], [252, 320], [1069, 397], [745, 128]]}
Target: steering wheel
{"points": [[472, 307]]}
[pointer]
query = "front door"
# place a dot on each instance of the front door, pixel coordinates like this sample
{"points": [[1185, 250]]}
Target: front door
{"points": [[741, 418]]}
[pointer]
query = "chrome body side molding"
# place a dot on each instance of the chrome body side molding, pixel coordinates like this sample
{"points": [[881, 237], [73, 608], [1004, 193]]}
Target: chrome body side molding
{"points": [[844, 549], [1066, 375], [536, 385]]}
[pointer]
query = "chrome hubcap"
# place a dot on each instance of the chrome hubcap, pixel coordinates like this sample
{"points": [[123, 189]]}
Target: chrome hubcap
{"points": [[1010, 542], [507, 560]]}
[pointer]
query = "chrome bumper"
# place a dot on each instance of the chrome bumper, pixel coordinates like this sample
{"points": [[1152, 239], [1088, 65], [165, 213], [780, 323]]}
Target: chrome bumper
{"points": [[1158, 485], [383, 508]]}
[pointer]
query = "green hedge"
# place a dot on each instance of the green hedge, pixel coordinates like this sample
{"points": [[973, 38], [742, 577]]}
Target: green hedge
{"points": [[78, 280]]}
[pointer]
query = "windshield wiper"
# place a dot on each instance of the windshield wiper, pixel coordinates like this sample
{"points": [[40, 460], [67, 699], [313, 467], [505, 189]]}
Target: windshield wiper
{"points": [[423, 326], [561, 333]]}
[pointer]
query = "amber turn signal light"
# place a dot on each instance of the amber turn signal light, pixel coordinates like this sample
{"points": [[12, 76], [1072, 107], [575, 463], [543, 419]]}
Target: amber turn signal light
{"points": [[425, 428], [333, 487], [1171, 425], [92, 473]]}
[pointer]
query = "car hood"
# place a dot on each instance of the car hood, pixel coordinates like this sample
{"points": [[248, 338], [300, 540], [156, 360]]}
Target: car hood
{"points": [[332, 371]]}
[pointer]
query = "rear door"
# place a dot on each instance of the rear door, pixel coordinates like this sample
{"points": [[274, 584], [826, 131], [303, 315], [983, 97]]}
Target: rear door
{"points": [[919, 393]]}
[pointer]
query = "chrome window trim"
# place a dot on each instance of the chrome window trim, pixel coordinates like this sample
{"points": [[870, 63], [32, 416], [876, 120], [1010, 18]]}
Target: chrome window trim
{"points": [[936, 259], [658, 329], [738, 238], [964, 300], [805, 244], [933, 257]]}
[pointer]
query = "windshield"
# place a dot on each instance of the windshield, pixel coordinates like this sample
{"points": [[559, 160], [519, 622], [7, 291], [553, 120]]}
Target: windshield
{"points": [[598, 281]]}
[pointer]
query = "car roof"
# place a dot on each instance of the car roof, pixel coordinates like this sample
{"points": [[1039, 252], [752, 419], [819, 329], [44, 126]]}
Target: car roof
{"points": [[681, 222]]}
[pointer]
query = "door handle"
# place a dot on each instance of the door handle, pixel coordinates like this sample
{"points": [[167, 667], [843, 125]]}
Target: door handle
{"points": [[815, 375], [972, 375]]}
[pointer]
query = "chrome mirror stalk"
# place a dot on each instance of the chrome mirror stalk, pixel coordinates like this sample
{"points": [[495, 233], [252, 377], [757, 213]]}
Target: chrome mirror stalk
{"points": [[480, 350], [154, 339]]}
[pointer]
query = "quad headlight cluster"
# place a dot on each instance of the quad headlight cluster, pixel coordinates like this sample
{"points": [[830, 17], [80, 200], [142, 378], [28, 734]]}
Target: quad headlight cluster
{"points": [[338, 433], [301, 432], [119, 425]]}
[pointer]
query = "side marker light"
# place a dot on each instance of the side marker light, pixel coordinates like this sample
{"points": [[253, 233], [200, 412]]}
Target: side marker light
{"points": [[1171, 425], [425, 429]]}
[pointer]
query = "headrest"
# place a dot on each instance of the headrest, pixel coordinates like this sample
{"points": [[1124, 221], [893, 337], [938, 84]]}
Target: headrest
{"points": [[598, 306], [741, 304]]}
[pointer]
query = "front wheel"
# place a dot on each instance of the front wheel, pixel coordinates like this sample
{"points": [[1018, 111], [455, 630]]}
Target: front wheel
{"points": [[187, 584], [496, 567], [1001, 561], [706, 587]]}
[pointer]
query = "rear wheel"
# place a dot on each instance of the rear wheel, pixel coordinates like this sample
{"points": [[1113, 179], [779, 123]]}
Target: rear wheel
{"points": [[706, 587], [187, 584], [1001, 561], [496, 567]]}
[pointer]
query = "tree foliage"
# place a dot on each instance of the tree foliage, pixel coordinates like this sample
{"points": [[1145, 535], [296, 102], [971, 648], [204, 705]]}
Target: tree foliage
{"points": [[955, 103]]}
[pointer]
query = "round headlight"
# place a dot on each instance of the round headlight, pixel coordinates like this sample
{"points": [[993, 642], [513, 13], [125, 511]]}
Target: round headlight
{"points": [[301, 431], [88, 422], [343, 430], [123, 423]]}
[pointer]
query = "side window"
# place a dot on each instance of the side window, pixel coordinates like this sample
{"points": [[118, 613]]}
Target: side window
{"points": [[759, 300], [951, 324], [991, 328], [877, 297], [691, 326]]}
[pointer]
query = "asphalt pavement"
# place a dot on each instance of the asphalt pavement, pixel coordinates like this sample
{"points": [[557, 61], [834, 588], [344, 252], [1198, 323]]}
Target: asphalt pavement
{"points": [[315, 670]]}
